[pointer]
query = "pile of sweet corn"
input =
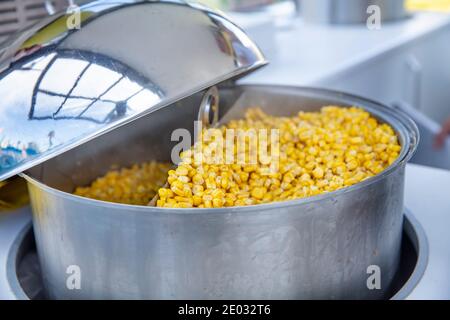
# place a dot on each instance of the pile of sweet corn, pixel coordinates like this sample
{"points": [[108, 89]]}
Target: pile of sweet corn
{"points": [[136, 185], [318, 152]]}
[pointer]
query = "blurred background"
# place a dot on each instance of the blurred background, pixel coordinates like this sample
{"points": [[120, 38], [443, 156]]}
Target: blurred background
{"points": [[16, 14]]}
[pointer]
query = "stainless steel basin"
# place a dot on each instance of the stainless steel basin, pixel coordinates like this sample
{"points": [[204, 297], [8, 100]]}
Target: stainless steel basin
{"points": [[323, 247]]}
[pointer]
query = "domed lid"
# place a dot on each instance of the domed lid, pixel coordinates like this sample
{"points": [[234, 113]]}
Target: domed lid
{"points": [[80, 74]]}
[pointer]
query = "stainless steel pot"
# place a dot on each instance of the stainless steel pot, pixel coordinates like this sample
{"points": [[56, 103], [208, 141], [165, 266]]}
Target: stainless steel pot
{"points": [[350, 11], [330, 246]]}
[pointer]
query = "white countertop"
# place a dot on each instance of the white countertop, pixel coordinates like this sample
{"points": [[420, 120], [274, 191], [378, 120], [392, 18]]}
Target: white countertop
{"points": [[319, 51], [427, 196]]}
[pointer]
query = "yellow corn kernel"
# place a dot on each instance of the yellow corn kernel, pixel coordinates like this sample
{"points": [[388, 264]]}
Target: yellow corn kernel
{"points": [[217, 203], [197, 200], [318, 173], [258, 193], [183, 205], [197, 189], [356, 140], [165, 193], [198, 179], [182, 171], [352, 164]]}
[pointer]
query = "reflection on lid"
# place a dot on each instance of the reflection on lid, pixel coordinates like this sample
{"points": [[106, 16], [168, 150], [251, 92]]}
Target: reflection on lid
{"points": [[61, 87], [69, 94], [71, 87]]}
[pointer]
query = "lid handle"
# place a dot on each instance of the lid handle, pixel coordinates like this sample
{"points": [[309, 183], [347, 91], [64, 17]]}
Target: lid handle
{"points": [[208, 113]]}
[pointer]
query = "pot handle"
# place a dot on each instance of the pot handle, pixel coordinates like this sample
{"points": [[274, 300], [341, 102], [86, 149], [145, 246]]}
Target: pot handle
{"points": [[208, 113]]}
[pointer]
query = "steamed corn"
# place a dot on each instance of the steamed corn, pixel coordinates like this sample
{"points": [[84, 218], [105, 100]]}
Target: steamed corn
{"points": [[136, 185], [318, 152]]}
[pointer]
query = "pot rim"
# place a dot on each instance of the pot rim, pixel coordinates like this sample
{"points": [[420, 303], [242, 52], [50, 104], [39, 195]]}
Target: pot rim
{"points": [[409, 134]]}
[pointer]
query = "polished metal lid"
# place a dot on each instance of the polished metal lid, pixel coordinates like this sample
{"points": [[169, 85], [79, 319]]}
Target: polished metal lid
{"points": [[81, 74]]}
